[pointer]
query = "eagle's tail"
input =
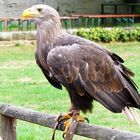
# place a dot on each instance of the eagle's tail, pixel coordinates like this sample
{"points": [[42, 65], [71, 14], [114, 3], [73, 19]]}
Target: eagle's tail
{"points": [[131, 114], [132, 87]]}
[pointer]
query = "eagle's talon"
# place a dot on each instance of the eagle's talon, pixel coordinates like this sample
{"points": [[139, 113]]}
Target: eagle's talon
{"points": [[67, 125], [67, 121], [64, 117], [58, 117], [87, 119], [60, 125], [64, 135]]}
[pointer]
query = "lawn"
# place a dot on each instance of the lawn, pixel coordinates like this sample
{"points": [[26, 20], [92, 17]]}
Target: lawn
{"points": [[23, 84]]}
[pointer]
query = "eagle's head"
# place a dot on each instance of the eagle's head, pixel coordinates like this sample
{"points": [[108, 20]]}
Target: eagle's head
{"points": [[41, 13], [47, 19]]}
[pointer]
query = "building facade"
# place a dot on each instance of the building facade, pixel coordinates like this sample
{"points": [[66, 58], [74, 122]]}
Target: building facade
{"points": [[14, 8]]}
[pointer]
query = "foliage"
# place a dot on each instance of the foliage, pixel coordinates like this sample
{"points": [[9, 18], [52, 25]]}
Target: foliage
{"points": [[108, 34]]}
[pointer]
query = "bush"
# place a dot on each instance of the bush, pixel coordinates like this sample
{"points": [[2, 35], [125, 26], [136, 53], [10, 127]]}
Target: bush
{"points": [[108, 35]]}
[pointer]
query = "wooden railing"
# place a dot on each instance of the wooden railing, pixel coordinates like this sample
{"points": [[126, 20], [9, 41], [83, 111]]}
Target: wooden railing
{"points": [[107, 20], [10, 24], [10, 113], [19, 24], [73, 21]]}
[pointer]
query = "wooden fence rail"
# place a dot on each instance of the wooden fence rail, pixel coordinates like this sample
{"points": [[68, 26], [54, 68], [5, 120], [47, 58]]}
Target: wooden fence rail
{"points": [[73, 21], [10, 113]]}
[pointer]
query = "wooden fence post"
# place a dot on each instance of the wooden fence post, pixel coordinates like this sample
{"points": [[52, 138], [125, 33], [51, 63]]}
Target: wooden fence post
{"points": [[8, 128]]}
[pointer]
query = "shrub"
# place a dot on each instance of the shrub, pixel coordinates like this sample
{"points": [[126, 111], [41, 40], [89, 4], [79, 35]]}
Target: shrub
{"points": [[108, 35]]}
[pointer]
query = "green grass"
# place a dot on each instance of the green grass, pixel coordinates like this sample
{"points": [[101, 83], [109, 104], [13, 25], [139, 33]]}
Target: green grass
{"points": [[23, 84]]}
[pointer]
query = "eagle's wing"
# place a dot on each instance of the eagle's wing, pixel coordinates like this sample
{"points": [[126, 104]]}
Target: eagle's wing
{"points": [[102, 78], [51, 80]]}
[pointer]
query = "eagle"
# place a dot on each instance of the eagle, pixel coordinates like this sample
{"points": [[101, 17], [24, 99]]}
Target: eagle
{"points": [[87, 70]]}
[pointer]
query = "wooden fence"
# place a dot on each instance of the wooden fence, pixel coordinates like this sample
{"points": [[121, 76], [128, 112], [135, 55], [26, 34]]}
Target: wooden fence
{"points": [[19, 24], [73, 21], [10, 113]]}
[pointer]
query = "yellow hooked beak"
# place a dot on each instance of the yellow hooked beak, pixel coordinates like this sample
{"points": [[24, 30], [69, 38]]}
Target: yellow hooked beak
{"points": [[29, 13]]}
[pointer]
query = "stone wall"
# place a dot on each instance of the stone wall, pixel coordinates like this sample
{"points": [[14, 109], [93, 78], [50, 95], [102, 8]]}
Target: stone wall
{"points": [[14, 8], [66, 7]]}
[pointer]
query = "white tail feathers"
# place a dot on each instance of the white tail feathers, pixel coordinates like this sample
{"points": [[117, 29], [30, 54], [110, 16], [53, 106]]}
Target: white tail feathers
{"points": [[131, 114]]}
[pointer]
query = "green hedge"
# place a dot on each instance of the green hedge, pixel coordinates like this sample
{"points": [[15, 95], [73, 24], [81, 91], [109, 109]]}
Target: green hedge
{"points": [[112, 34]]}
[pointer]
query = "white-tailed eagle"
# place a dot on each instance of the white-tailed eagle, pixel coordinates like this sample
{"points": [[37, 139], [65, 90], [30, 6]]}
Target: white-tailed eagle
{"points": [[87, 70]]}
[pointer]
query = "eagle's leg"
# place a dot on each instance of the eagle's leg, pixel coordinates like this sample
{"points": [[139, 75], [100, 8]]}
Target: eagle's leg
{"points": [[70, 122]]}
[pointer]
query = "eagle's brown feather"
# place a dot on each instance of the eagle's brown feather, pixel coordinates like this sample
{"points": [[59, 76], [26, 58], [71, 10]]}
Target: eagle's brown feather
{"points": [[92, 72], [87, 70]]}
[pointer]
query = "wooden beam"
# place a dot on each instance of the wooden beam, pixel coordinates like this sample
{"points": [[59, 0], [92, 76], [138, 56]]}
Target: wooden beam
{"points": [[83, 129], [8, 128]]}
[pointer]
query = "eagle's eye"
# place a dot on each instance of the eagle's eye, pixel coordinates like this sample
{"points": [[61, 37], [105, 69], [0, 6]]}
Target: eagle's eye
{"points": [[39, 9]]}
